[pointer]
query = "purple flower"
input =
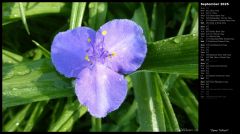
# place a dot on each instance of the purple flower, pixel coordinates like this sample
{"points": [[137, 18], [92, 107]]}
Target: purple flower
{"points": [[99, 60]]}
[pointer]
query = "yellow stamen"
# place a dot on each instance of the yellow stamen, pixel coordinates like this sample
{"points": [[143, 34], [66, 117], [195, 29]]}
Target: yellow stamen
{"points": [[114, 54], [111, 55], [104, 32], [89, 40], [87, 58]]}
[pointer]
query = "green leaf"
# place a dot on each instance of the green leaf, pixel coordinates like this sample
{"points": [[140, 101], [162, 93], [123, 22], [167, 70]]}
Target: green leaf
{"points": [[169, 112], [72, 111], [158, 25], [173, 55], [35, 114], [182, 96], [57, 110], [11, 58], [78, 9], [96, 124], [29, 82], [97, 14], [140, 17], [195, 21], [11, 10], [170, 81], [124, 120], [12, 125], [149, 101], [23, 16], [182, 28], [45, 52], [67, 126]]}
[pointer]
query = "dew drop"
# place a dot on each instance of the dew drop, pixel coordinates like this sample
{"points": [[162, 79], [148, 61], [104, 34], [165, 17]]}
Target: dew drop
{"points": [[17, 124], [23, 72], [177, 40], [14, 89], [8, 75]]}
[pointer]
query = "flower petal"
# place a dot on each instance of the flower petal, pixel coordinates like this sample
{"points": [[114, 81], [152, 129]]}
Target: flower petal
{"points": [[126, 43], [100, 89], [68, 50]]}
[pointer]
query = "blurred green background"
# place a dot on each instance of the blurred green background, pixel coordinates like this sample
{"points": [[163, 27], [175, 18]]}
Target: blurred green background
{"points": [[162, 94]]}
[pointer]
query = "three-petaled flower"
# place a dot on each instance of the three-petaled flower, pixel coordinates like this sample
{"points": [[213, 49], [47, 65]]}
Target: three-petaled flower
{"points": [[99, 60]]}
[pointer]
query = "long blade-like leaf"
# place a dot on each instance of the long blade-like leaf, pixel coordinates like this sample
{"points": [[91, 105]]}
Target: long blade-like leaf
{"points": [[97, 14], [11, 10], [12, 125], [158, 25], [33, 81], [173, 55], [78, 9], [149, 100], [140, 17], [182, 96], [72, 111]]}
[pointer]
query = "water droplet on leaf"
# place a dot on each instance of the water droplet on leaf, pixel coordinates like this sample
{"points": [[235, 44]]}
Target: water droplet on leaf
{"points": [[194, 34], [8, 75], [24, 72], [177, 40], [14, 89]]}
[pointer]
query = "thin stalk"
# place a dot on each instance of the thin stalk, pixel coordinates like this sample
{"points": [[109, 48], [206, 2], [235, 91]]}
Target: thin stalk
{"points": [[96, 124], [183, 25], [22, 13]]}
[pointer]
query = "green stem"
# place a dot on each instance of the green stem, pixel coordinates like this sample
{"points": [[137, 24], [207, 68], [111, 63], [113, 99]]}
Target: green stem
{"points": [[181, 30], [46, 53], [77, 14], [22, 13], [96, 124]]}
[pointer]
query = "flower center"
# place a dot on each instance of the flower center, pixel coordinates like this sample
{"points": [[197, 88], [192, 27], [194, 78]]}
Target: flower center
{"points": [[98, 52]]}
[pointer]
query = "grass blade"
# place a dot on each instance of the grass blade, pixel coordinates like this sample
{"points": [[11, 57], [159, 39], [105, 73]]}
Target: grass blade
{"points": [[46, 53], [67, 115], [170, 81], [195, 22], [9, 57], [149, 100], [22, 13], [168, 107], [182, 96], [173, 55], [67, 126], [97, 14], [35, 114], [125, 119], [11, 10], [180, 32], [29, 82], [140, 17], [96, 124], [78, 9], [158, 25], [15, 122]]}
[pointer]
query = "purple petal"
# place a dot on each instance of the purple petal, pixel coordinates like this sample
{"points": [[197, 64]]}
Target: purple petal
{"points": [[123, 39], [100, 89], [68, 50]]}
